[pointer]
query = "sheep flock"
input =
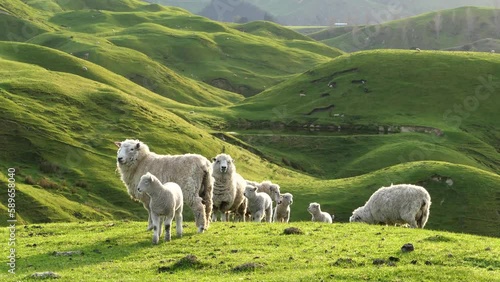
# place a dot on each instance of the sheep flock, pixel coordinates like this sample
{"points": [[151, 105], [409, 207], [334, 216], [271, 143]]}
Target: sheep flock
{"points": [[215, 190]]}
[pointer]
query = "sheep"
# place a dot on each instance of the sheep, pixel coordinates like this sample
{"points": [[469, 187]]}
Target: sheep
{"points": [[396, 204], [259, 204], [266, 186], [166, 202], [282, 209], [191, 171], [228, 188], [317, 215]]}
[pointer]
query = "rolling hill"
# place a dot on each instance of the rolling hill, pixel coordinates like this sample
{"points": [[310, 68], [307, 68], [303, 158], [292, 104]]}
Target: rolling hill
{"points": [[434, 31], [99, 72]]}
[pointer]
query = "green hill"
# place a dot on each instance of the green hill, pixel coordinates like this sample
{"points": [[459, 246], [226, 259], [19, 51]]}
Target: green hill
{"points": [[434, 31]]}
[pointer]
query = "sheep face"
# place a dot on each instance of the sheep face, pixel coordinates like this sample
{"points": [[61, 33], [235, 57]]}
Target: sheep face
{"points": [[223, 163], [286, 198], [128, 152], [314, 208], [250, 191], [145, 182], [356, 216]]}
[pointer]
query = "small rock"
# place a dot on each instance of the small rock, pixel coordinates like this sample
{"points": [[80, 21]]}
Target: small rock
{"points": [[234, 251], [45, 275], [293, 230], [393, 259], [407, 248], [487, 249], [450, 255], [428, 262], [378, 261], [414, 261]]}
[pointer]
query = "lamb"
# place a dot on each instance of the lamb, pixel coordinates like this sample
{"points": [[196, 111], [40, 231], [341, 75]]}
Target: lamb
{"points": [[228, 188], [282, 209], [317, 215], [396, 204], [192, 172], [259, 204], [166, 202], [266, 186]]}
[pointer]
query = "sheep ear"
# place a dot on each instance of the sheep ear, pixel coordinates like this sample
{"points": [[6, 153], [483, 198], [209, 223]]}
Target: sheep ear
{"points": [[118, 144], [138, 145]]}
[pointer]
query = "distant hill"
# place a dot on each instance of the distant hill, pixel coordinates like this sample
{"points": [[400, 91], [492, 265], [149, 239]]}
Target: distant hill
{"points": [[435, 31], [231, 11], [324, 12]]}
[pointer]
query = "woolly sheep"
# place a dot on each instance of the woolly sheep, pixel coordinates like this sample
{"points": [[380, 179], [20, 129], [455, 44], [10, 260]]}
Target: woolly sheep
{"points": [[165, 203], [282, 209], [317, 215], [266, 186], [259, 204], [191, 171], [396, 204], [228, 188]]}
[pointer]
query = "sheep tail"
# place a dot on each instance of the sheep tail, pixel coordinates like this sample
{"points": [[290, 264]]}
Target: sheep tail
{"points": [[206, 191], [424, 211]]}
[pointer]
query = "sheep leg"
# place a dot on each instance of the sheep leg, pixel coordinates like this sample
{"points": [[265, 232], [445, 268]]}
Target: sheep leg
{"points": [[150, 220], [156, 227], [287, 217], [269, 213], [178, 222], [168, 225]]}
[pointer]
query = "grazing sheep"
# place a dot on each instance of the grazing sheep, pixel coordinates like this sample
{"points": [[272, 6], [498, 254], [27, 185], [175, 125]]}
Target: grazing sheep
{"points": [[282, 209], [191, 171], [317, 215], [259, 204], [228, 188], [266, 186], [165, 203], [396, 204]]}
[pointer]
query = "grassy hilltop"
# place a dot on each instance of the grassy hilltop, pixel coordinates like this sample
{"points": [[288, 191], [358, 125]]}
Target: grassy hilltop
{"points": [[97, 72]]}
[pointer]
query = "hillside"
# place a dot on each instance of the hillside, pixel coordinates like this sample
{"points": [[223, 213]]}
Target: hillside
{"points": [[434, 31], [179, 42]]}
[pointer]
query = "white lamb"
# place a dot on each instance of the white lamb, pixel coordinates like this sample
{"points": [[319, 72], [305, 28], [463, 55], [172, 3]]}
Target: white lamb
{"points": [[228, 190], [317, 215], [165, 203], [282, 209], [259, 204], [266, 186], [191, 171], [396, 204]]}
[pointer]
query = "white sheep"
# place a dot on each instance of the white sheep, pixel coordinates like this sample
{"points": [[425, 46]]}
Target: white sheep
{"points": [[317, 215], [259, 204], [282, 209], [228, 188], [396, 204], [266, 186], [191, 171], [165, 203]]}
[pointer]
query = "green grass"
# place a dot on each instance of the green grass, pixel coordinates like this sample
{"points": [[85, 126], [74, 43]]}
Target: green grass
{"points": [[146, 78], [232, 251]]}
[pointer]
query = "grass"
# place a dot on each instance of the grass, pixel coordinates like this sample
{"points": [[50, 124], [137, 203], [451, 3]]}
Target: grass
{"points": [[120, 250], [60, 120]]}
